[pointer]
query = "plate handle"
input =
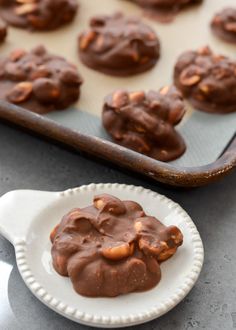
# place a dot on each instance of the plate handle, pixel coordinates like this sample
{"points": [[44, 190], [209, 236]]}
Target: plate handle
{"points": [[17, 210]]}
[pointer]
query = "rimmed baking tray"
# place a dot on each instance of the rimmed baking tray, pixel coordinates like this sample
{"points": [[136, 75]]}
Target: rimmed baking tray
{"points": [[211, 141]]}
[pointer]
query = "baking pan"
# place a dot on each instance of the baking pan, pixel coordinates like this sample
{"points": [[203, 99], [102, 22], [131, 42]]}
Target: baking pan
{"points": [[170, 174], [211, 142]]}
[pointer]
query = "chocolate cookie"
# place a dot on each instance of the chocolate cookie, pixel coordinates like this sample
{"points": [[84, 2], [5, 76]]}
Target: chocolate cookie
{"points": [[119, 45], [112, 247], [224, 24], [38, 81], [164, 10], [207, 80], [3, 31], [38, 14], [145, 122]]}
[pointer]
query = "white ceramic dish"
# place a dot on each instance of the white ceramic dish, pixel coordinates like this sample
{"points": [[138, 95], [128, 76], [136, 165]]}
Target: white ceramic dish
{"points": [[26, 219]]}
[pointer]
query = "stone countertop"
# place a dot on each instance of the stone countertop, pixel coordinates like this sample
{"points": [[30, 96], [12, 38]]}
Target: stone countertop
{"points": [[26, 162]]}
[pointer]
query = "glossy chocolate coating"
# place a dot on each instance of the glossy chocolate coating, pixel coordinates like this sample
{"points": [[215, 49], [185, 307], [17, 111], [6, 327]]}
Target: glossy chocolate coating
{"points": [[164, 10], [145, 122], [38, 81], [224, 25], [165, 3], [119, 45], [112, 247], [38, 14], [3, 31], [207, 80]]}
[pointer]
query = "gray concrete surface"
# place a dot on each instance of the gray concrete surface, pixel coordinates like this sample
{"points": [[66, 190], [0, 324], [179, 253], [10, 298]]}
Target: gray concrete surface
{"points": [[28, 162]]}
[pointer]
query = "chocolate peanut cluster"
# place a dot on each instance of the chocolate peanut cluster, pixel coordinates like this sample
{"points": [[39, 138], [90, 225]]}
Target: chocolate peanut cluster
{"points": [[176, 4], [3, 31], [38, 14], [145, 122], [112, 247], [38, 81], [164, 10], [224, 24], [119, 45], [207, 80]]}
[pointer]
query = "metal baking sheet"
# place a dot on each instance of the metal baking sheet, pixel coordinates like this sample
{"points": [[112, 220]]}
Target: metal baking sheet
{"points": [[206, 135]]}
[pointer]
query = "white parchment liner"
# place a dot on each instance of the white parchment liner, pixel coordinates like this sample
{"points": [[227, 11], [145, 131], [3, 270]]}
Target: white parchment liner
{"points": [[206, 135]]}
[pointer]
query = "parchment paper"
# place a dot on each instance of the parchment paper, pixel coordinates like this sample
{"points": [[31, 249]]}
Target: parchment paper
{"points": [[206, 135]]}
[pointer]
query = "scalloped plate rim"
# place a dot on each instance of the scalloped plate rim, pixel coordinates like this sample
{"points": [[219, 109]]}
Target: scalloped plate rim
{"points": [[114, 322]]}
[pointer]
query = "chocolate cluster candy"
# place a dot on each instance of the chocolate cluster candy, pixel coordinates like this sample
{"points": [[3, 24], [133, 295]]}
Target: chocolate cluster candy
{"points": [[112, 247], [207, 80], [3, 31], [38, 14], [119, 45], [224, 24], [38, 81], [164, 10], [145, 122]]}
